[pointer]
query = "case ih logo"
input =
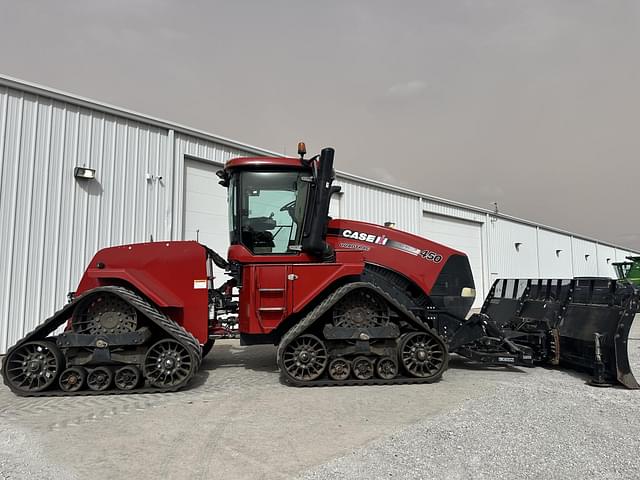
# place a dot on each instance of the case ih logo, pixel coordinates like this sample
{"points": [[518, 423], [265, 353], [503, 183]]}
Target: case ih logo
{"points": [[365, 237]]}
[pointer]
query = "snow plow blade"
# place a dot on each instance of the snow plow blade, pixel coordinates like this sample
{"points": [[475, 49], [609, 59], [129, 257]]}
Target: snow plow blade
{"points": [[587, 324]]}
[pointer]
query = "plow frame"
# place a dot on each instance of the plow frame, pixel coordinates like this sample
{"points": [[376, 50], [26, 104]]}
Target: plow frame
{"points": [[584, 321]]}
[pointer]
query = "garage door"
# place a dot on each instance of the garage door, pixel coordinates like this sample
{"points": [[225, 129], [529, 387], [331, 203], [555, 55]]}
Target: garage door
{"points": [[462, 235], [205, 208]]}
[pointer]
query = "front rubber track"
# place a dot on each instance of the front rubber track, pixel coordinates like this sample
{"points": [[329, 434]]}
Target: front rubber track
{"points": [[316, 313], [325, 382]]}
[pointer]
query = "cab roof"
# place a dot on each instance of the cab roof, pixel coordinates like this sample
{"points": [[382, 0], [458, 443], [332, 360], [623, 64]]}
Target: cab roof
{"points": [[252, 162]]}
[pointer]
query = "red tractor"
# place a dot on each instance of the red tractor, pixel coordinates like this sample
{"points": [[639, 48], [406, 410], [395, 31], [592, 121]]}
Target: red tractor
{"points": [[346, 302]]}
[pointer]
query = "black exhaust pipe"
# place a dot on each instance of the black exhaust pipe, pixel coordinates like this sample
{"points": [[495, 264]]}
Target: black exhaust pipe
{"points": [[315, 224]]}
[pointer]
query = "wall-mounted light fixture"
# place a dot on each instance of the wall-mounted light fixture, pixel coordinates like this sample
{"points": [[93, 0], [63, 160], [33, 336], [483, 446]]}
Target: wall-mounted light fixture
{"points": [[390, 224], [558, 252], [608, 261], [84, 173], [150, 177], [518, 245], [586, 257]]}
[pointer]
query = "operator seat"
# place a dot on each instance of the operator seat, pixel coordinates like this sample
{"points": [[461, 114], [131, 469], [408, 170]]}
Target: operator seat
{"points": [[258, 241]]}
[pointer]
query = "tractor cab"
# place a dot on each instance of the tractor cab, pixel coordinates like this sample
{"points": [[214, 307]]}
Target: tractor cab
{"points": [[279, 206], [629, 271]]}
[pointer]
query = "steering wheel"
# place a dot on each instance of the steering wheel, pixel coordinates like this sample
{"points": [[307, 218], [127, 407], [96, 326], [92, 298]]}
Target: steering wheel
{"points": [[288, 207]]}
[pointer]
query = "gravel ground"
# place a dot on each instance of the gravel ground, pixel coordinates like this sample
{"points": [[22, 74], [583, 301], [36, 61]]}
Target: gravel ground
{"points": [[21, 457], [548, 424], [239, 422]]}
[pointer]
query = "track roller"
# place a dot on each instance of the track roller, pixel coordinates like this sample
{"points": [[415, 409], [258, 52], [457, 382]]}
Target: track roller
{"points": [[339, 369], [387, 368], [72, 379], [99, 379], [127, 377], [363, 368]]}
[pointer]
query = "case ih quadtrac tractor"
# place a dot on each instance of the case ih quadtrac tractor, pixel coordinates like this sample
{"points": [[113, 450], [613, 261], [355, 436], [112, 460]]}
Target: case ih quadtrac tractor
{"points": [[346, 302]]}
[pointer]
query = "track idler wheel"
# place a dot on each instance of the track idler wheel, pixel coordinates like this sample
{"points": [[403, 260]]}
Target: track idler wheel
{"points": [[339, 369], [168, 364], [362, 368], [72, 379], [127, 377], [305, 358], [33, 367], [99, 379], [387, 368], [423, 355]]}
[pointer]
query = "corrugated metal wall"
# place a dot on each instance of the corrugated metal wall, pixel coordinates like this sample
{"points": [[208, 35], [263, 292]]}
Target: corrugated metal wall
{"points": [[449, 210], [201, 149], [554, 250], [52, 224], [368, 203], [513, 249]]}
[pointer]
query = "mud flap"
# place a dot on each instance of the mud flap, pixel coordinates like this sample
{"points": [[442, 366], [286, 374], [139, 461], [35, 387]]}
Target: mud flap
{"points": [[589, 324]]}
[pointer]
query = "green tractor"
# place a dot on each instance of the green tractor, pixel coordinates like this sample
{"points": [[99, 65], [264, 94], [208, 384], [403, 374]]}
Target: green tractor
{"points": [[629, 271]]}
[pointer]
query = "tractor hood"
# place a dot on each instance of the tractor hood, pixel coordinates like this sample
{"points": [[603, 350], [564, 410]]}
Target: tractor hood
{"points": [[441, 272]]}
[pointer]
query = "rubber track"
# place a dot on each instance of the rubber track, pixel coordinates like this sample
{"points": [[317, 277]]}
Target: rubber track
{"points": [[160, 320], [323, 307]]}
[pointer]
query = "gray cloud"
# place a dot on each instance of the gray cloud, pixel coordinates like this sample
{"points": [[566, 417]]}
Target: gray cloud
{"points": [[406, 89]]}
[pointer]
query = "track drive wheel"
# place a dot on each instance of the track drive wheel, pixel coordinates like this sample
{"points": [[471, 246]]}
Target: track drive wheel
{"points": [[99, 379], [104, 313], [168, 364], [33, 367], [127, 377], [362, 368], [72, 379], [339, 369], [305, 358], [423, 355]]}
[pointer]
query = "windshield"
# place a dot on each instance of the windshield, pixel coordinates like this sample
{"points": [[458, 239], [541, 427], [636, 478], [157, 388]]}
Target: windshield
{"points": [[622, 269], [267, 210]]}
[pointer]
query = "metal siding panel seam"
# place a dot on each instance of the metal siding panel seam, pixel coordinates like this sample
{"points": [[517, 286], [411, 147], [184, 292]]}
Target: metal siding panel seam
{"points": [[28, 204], [58, 221], [100, 168], [85, 194], [72, 210], [123, 183], [4, 109], [136, 155], [147, 187], [43, 212], [112, 181], [11, 233]]}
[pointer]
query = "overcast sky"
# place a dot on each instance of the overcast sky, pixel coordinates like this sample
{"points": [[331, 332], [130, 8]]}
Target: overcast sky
{"points": [[533, 104]]}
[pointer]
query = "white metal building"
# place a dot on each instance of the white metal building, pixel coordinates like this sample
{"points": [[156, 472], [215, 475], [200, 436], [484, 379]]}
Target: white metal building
{"points": [[156, 179]]}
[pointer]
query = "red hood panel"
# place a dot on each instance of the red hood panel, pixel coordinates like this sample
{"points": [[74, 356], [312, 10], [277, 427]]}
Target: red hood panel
{"points": [[419, 259]]}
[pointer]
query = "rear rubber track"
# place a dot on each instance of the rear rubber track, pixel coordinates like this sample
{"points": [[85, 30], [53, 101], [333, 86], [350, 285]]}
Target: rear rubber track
{"points": [[159, 319]]}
